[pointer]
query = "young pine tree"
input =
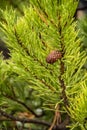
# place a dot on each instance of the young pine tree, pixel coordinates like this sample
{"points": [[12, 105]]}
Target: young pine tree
{"points": [[45, 67]]}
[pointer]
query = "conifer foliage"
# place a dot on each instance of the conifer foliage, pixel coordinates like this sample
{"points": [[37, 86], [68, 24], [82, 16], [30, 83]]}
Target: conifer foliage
{"points": [[45, 67]]}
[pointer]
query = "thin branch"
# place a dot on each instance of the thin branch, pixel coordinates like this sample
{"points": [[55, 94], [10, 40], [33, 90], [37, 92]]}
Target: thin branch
{"points": [[57, 118], [23, 104], [20, 42], [81, 8], [41, 16], [62, 67], [43, 82], [44, 16], [58, 124], [40, 80], [24, 120], [27, 107], [64, 97], [63, 125]]}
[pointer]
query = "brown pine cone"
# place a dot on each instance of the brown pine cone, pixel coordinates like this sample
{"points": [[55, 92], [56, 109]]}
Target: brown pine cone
{"points": [[53, 56]]}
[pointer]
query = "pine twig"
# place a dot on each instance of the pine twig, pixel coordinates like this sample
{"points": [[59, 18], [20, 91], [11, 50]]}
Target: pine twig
{"points": [[24, 120], [61, 125], [57, 118], [62, 67], [23, 104]]}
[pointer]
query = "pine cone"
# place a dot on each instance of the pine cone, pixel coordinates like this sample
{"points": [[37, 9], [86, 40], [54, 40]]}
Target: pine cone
{"points": [[53, 56]]}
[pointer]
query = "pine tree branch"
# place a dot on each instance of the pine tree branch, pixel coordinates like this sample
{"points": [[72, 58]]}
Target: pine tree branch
{"points": [[62, 126], [10, 117], [27, 51], [20, 42], [23, 104], [44, 16], [40, 80], [35, 59], [64, 97], [58, 123], [41, 16], [62, 68], [24, 120], [43, 82]]}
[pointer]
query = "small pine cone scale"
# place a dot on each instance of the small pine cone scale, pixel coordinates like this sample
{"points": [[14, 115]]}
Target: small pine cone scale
{"points": [[53, 56]]}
